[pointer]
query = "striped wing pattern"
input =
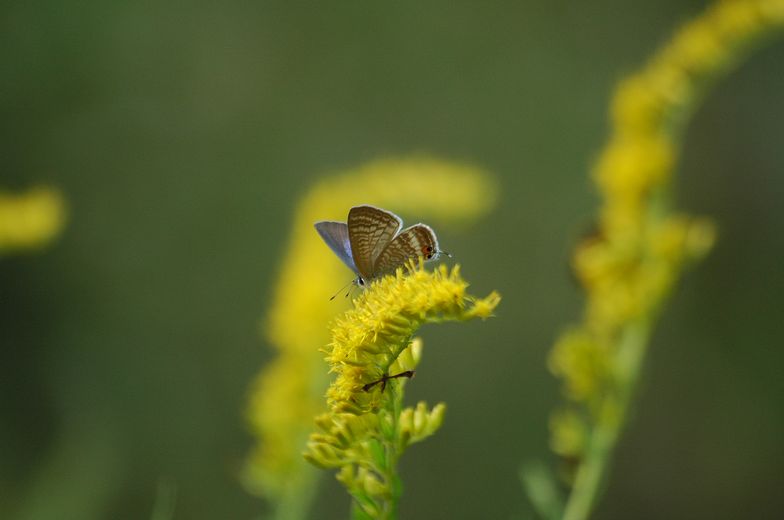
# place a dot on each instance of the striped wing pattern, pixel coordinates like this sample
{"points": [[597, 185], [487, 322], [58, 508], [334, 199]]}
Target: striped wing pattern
{"points": [[413, 242], [370, 231]]}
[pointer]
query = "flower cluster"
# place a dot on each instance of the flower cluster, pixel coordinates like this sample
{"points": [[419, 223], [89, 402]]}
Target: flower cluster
{"points": [[30, 220], [289, 391], [366, 429], [630, 263]]}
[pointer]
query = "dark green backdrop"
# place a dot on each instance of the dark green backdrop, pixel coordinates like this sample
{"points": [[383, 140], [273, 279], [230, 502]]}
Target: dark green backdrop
{"points": [[182, 134]]}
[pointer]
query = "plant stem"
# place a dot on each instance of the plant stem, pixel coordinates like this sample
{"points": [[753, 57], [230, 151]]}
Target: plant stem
{"points": [[604, 436], [392, 445]]}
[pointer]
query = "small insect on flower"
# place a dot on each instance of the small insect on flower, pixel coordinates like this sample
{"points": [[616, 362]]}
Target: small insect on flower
{"points": [[371, 243], [383, 381]]}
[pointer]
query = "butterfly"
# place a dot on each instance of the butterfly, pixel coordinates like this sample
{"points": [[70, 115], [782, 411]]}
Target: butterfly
{"points": [[371, 244]]}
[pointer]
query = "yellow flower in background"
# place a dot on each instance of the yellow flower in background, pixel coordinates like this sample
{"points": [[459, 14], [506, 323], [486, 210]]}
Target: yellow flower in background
{"points": [[289, 391], [30, 220], [641, 246]]}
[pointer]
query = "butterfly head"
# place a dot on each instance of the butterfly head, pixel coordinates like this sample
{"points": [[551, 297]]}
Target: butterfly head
{"points": [[433, 253]]}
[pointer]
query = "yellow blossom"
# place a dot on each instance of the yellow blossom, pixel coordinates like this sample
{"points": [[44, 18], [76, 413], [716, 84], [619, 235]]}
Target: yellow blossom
{"points": [[641, 245], [30, 220], [631, 165], [368, 338], [372, 354]]}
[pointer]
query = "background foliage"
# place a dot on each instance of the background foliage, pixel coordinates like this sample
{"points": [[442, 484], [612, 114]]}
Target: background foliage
{"points": [[181, 137]]}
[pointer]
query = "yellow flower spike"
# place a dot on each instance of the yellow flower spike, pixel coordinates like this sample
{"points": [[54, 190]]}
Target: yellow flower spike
{"points": [[636, 106], [699, 46], [671, 84], [629, 167], [375, 336], [407, 302], [734, 20], [288, 392], [30, 220], [641, 247]]}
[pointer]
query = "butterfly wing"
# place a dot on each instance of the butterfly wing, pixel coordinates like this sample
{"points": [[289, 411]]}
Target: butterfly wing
{"points": [[370, 230], [413, 242], [335, 234]]}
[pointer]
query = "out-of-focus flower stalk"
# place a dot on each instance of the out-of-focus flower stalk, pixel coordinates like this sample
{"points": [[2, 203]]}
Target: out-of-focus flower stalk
{"points": [[629, 266]]}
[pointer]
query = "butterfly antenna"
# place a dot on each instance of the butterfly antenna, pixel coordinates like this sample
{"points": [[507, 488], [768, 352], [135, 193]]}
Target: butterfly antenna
{"points": [[354, 286], [341, 290], [444, 253]]}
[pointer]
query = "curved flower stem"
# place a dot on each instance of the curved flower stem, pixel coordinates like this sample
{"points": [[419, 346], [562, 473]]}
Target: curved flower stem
{"points": [[385, 508], [391, 447], [387, 465], [642, 245]]}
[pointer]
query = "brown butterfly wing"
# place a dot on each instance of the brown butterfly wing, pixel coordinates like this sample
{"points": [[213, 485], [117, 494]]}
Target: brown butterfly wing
{"points": [[370, 230], [413, 242]]}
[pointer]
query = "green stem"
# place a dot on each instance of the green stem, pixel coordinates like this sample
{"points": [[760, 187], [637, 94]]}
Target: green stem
{"points": [[387, 468], [612, 418], [393, 454], [613, 408], [294, 504]]}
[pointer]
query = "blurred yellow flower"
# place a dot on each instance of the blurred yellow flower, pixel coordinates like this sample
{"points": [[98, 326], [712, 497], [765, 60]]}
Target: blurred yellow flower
{"points": [[30, 220], [629, 266]]}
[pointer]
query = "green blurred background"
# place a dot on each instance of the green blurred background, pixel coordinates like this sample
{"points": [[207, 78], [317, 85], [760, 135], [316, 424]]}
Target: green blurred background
{"points": [[182, 134]]}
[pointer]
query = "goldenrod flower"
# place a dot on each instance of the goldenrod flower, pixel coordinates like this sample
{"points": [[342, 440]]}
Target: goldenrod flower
{"points": [[366, 431], [630, 265], [367, 339], [288, 393], [30, 220]]}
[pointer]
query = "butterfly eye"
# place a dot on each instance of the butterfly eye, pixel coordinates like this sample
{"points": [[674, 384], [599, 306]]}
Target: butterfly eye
{"points": [[429, 251]]}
